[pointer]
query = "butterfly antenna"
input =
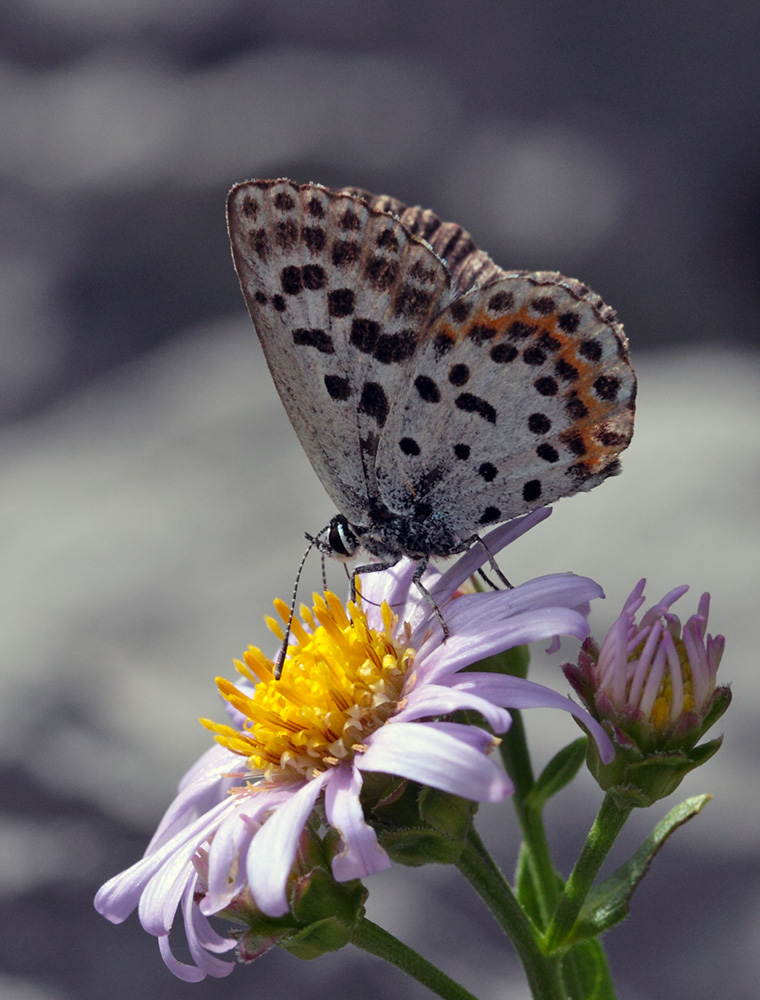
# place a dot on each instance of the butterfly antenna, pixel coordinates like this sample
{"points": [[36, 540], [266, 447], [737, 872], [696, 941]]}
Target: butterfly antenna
{"points": [[313, 540]]}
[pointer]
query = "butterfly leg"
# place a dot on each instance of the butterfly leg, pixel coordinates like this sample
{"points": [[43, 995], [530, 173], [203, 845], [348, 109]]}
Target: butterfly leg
{"points": [[486, 579], [491, 561], [417, 580], [376, 567]]}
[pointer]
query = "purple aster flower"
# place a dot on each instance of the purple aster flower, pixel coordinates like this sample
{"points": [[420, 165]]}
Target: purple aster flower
{"points": [[365, 688]]}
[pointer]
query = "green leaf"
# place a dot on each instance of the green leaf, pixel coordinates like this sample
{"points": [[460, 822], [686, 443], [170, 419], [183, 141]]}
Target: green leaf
{"points": [[528, 887], [525, 886], [608, 903], [558, 773], [592, 973]]}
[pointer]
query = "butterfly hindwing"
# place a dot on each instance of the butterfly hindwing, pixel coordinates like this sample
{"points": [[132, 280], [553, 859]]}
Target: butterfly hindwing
{"points": [[522, 395]]}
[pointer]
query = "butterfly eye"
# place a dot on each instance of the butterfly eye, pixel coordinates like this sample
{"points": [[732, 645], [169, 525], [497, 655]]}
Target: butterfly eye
{"points": [[343, 542]]}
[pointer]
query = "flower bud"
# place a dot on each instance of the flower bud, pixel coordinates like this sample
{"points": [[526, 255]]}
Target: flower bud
{"points": [[652, 686]]}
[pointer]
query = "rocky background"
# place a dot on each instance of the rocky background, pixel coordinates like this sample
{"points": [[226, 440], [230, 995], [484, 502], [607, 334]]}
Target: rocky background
{"points": [[153, 496]]}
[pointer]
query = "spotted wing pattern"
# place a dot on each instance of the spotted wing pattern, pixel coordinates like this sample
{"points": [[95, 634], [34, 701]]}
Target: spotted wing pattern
{"points": [[529, 387], [340, 294], [424, 382]]}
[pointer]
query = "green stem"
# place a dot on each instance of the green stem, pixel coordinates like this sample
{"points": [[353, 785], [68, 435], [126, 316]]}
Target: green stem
{"points": [[373, 939], [546, 885], [543, 971], [608, 823]]}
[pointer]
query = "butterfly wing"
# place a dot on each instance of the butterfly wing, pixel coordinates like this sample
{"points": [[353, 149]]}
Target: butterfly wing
{"points": [[419, 376], [522, 394], [469, 267], [340, 293]]}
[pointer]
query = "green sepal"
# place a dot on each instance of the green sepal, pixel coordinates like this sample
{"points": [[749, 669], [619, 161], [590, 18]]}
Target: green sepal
{"points": [[558, 773], [639, 778], [592, 971], [418, 825], [326, 913], [608, 903], [720, 701], [322, 914], [446, 813]]}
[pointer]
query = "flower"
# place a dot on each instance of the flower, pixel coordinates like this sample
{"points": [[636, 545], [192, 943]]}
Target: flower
{"points": [[365, 688], [652, 685]]}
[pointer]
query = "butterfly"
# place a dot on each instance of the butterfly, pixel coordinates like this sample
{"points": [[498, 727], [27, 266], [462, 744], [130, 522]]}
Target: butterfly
{"points": [[435, 393]]}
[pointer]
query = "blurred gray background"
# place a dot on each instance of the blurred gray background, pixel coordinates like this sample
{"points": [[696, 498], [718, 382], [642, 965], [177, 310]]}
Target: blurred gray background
{"points": [[153, 496]]}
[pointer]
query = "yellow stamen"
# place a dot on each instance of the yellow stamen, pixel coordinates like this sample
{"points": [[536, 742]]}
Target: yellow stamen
{"points": [[663, 709], [341, 681]]}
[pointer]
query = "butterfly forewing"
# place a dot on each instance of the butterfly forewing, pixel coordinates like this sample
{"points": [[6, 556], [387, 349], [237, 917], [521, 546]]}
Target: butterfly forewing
{"points": [[339, 293]]}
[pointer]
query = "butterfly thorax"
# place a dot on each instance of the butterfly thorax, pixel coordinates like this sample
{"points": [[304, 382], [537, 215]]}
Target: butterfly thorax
{"points": [[390, 536]]}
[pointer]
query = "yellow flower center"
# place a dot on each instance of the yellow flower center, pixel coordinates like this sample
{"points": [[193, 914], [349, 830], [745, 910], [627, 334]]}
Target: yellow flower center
{"points": [[340, 682], [662, 709]]}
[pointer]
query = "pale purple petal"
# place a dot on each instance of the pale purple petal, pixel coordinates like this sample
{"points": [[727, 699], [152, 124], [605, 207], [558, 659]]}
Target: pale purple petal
{"points": [[476, 556], [162, 895], [435, 699], [393, 587], [120, 895], [226, 871], [273, 850], [203, 786], [531, 626], [196, 936], [515, 692], [420, 752], [663, 605], [201, 937], [473, 736], [361, 854], [187, 973], [204, 934]]}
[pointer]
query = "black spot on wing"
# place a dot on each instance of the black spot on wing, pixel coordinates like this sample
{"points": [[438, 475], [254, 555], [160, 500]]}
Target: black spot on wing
{"points": [[503, 353], [338, 387], [459, 374], [374, 402], [539, 423], [340, 302], [427, 389], [318, 339], [345, 253], [490, 515], [469, 403]]}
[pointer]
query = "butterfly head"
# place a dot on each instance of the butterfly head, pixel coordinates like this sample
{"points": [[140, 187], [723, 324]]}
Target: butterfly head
{"points": [[342, 542]]}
